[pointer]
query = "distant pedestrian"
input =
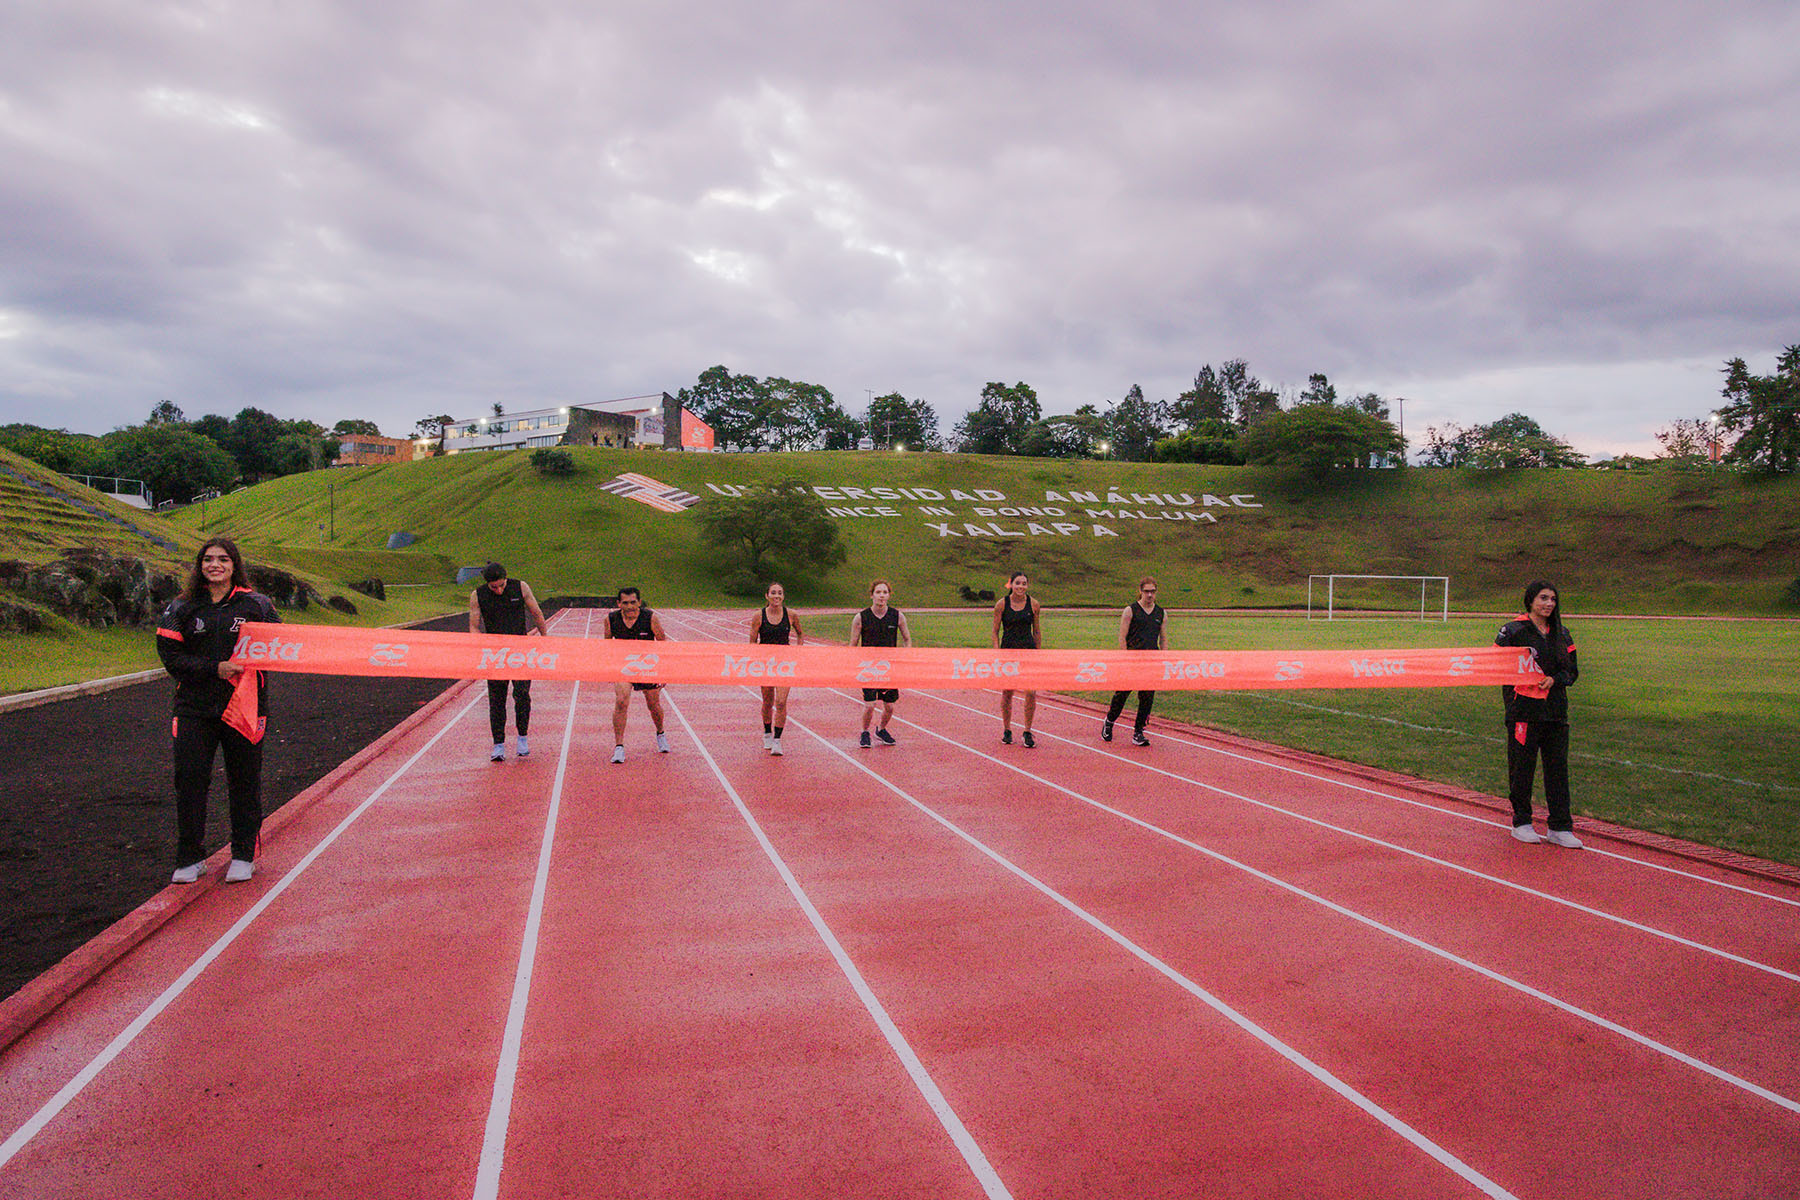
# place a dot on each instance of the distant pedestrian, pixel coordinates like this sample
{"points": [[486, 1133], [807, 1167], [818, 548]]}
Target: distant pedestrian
{"points": [[775, 624], [506, 606], [883, 627], [1016, 627], [195, 639], [1538, 726], [631, 621], [1141, 627]]}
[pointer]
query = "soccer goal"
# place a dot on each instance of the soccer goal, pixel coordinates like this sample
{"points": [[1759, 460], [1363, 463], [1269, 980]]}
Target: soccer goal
{"points": [[1378, 596]]}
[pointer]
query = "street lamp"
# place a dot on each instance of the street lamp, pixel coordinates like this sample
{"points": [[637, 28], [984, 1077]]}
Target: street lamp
{"points": [[1105, 449]]}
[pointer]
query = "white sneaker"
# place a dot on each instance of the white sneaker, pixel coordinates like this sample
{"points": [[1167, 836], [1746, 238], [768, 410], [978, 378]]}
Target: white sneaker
{"points": [[775, 747], [239, 870], [1563, 838], [1526, 833], [190, 873], [662, 742], [524, 746], [618, 754], [498, 754], [768, 741]]}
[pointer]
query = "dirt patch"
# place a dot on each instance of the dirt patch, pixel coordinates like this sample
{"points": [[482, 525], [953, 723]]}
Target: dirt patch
{"points": [[87, 818]]}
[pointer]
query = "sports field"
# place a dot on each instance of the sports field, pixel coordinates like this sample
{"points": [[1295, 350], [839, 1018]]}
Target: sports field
{"points": [[946, 968]]}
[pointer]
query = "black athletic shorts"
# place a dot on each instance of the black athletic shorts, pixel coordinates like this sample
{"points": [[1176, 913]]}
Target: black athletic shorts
{"points": [[646, 687], [885, 695]]}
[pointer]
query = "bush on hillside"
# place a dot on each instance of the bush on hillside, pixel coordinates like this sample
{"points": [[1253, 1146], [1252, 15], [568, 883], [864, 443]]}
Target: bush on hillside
{"points": [[769, 532], [1791, 594], [554, 463]]}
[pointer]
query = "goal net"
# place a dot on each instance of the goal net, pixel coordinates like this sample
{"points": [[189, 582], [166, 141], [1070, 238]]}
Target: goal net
{"points": [[1426, 597]]}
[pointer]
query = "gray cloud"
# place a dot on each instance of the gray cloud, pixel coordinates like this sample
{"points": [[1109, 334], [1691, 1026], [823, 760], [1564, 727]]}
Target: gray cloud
{"points": [[334, 210]]}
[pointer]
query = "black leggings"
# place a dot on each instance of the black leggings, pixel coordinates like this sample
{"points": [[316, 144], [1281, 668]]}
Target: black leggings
{"points": [[197, 740], [1145, 700], [497, 706], [1526, 741]]}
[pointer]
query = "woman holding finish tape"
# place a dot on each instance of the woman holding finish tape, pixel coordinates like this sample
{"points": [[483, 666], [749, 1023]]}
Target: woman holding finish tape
{"points": [[1016, 628], [1538, 726], [194, 640]]}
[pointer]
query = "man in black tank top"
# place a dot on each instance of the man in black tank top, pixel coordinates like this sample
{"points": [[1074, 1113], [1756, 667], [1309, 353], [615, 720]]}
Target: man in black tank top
{"points": [[879, 626], [506, 606], [631, 621], [1141, 627]]}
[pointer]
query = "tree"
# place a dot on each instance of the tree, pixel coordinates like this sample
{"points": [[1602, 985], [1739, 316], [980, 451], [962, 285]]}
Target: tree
{"points": [[251, 442], [795, 415], [1763, 411], [996, 425], [499, 410], [1513, 441], [1134, 425], [175, 463], [1073, 436], [732, 404], [782, 528], [1319, 438], [1249, 401], [893, 420], [1211, 442], [1205, 401], [166, 413], [58, 449], [1318, 390], [1688, 442], [351, 427], [1371, 403]]}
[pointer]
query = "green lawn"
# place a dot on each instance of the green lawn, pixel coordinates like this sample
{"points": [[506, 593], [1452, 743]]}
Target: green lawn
{"points": [[1682, 727]]}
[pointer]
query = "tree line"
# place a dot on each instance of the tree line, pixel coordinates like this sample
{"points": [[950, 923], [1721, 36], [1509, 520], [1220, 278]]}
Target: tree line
{"points": [[178, 459], [1230, 417]]}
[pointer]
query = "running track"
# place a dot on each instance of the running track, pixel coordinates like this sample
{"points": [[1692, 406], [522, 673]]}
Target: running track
{"points": [[945, 969]]}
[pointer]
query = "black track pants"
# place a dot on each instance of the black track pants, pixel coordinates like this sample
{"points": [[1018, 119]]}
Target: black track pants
{"points": [[197, 740], [1145, 700], [1526, 741], [497, 707]]}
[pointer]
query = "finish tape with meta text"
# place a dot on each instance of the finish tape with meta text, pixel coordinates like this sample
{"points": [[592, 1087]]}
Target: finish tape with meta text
{"points": [[331, 650]]}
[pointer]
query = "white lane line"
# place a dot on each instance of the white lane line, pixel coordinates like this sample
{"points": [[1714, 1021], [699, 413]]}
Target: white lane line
{"points": [[74, 1087], [1419, 854], [1523, 988], [965, 1142], [506, 1071], [1319, 1073], [1448, 812]]}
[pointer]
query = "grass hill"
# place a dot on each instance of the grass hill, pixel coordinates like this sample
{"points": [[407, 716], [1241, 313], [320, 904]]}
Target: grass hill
{"points": [[1642, 542]]}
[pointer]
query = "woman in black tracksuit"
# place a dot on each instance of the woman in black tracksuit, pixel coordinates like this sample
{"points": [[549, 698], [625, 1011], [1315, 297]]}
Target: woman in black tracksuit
{"points": [[194, 640], [1539, 726]]}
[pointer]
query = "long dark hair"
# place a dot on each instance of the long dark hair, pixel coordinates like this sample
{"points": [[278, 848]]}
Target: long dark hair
{"points": [[197, 590], [1555, 639]]}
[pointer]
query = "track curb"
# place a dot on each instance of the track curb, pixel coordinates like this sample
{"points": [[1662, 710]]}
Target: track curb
{"points": [[25, 1008]]}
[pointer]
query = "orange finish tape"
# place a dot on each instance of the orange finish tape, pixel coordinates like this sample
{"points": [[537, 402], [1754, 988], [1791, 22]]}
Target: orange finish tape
{"points": [[331, 650]]}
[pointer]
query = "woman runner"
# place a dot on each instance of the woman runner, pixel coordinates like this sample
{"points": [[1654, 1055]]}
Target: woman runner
{"points": [[1016, 628], [1539, 725], [773, 625], [195, 639]]}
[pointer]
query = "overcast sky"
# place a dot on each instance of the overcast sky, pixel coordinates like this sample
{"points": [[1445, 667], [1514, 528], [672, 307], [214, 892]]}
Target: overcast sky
{"points": [[385, 210]]}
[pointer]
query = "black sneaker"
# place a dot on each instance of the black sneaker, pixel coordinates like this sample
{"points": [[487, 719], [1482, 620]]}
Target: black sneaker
{"points": [[864, 741], [1106, 731], [1138, 738], [884, 737], [1006, 737], [1029, 744]]}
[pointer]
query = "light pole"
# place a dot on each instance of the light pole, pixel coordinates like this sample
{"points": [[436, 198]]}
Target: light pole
{"points": [[1105, 449]]}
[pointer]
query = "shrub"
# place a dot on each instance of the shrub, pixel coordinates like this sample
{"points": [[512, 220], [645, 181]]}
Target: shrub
{"points": [[553, 462]]}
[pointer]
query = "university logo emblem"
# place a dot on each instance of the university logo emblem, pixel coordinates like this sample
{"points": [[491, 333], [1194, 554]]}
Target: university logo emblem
{"points": [[646, 490]]}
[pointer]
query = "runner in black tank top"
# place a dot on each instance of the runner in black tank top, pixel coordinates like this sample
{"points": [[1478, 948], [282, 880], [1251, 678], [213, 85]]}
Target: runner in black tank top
{"points": [[1017, 629], [879, 627], [1141, 627], [776, 632], [633, 622], [506, 606]]}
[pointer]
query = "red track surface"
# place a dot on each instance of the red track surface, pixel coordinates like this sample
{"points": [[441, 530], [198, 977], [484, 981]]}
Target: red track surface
{"points": [[950, 968]]}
